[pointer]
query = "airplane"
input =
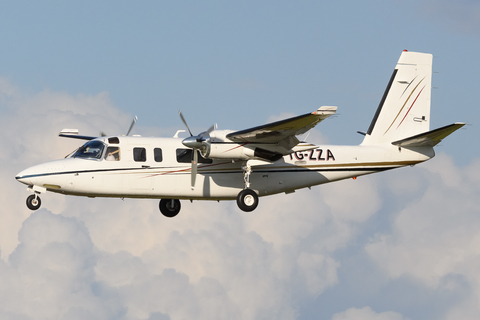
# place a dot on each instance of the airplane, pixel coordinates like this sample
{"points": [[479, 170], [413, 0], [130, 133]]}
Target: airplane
{"points": [[244, 165]]}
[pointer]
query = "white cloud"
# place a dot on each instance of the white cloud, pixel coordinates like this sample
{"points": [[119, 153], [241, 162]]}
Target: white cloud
{"points": [[108, 258], [367, 313], [51, 272], [436, 235]]}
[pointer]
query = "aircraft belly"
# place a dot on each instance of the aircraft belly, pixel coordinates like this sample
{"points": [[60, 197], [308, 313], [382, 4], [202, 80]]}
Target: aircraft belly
{"points": [[207, 186], [269, 183], [297, 180]]}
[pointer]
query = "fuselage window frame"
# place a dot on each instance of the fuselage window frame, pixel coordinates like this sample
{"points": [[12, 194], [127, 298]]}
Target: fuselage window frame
{"points": [[157, 154], [139, 154]]}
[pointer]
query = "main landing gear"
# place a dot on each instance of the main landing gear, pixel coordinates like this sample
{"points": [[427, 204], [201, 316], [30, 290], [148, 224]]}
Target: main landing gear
{"points": [[170, 207], [34, 202], [247, 199]]}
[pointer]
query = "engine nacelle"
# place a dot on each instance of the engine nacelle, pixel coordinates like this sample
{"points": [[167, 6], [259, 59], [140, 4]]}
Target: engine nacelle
{"points": [[237, 151]]}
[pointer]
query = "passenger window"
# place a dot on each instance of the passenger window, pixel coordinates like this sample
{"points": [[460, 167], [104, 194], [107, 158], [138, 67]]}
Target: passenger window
{"points": [[139, 154], [112, 154], [185, 156], [157, 153]]}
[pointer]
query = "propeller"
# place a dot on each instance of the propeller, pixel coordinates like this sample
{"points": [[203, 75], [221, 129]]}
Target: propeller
{"points": [[103, 134], [195, 143], [131, 126]]}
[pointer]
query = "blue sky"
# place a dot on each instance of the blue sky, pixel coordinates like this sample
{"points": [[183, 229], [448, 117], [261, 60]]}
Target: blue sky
{"points": [[396, 246], [237, 64]]}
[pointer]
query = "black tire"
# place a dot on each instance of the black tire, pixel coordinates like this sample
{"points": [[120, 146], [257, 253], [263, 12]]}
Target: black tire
{"points": [[167, 209], [247, 200], [33, 202]]}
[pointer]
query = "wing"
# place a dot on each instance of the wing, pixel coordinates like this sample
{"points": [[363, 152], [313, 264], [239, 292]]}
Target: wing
{"points": [[73, 133], [284, 130]]}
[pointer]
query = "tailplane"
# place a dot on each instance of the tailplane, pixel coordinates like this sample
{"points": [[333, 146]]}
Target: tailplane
{"points": [[404, 110], [430, 138]]}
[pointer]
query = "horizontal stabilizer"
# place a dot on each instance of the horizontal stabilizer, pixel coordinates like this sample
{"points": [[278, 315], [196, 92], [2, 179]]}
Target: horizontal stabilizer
{"points": [[430, 138]]}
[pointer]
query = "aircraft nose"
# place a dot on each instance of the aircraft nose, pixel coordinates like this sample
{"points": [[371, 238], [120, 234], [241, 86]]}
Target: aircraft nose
{"points": [[48, 173], [31, 175], [23, 177]]}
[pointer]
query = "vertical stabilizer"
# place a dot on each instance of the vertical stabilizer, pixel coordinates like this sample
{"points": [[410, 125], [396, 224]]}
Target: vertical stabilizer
{"points": [[404, 110]]}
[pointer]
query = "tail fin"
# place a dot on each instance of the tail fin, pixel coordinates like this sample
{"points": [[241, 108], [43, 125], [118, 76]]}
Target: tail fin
{"points": [[404, 110]]}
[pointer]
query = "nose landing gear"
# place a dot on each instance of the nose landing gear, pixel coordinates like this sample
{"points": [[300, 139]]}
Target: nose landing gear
{"points": [[33, 202]]}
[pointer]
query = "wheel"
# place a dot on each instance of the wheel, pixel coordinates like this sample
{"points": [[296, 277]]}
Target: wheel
{"points": [[247, 200], [33, 202], [170, 207]]}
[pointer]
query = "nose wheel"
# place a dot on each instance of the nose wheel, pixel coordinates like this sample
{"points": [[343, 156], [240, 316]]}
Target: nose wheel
{"points": [[34, 202], [169, 207]]}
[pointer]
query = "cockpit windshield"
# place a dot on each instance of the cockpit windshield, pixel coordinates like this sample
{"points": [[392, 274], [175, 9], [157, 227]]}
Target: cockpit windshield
{"points": [[90, 150]]}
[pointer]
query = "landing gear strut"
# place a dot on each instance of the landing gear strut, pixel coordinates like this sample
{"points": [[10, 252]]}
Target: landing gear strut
{"points": [[170, 207], [247, 199], [33, 202]]}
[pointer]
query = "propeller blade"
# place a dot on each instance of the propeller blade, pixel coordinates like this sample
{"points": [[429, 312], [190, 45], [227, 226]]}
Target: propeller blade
{"points": [[131, 126], [184, 122], [204, 134], [213, 127], [194, 168]]}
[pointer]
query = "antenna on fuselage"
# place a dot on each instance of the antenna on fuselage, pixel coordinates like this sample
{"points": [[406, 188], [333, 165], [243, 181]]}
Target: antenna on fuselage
{"points": [[178, 131]]}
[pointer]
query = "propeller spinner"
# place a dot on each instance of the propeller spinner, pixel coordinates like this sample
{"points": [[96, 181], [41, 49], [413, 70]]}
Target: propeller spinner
{"points": [[195, 143]]}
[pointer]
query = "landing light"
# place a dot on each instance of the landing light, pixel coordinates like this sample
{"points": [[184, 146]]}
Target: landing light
{"points": [[52, 186]]}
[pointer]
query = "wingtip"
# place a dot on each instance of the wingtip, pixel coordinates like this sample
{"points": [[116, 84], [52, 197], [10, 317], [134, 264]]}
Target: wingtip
{"points": [[326, 110]]}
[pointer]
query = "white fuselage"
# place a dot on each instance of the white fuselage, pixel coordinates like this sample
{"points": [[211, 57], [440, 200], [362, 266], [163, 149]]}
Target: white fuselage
{"points": [[154, 176]]}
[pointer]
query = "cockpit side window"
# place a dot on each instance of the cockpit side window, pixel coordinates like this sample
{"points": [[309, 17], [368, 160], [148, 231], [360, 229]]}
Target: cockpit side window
{"points": [[112, 154], [90, 150], [114, 140]]}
